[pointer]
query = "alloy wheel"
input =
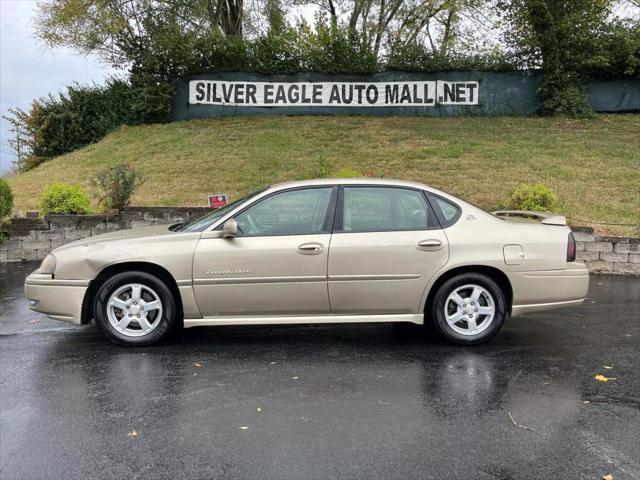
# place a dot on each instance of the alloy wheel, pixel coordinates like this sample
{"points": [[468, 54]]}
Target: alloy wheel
{"points": [[134, 310], [469, 309]]}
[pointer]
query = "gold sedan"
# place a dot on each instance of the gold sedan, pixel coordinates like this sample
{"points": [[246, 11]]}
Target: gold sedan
{"points": [[319, 251]]}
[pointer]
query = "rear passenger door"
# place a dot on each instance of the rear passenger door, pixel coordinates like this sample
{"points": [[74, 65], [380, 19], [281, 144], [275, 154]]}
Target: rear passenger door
{"points": [[385, 247]]}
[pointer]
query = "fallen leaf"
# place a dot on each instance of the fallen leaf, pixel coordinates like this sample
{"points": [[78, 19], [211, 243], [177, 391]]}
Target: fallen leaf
{"points": [[133, 434], [197, 365], [602, 378], [244, 427], [607, 367], [608, 476]]}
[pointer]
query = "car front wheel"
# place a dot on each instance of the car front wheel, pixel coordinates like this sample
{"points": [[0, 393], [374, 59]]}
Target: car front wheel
{"points": [[469, 309], [134, 308]]}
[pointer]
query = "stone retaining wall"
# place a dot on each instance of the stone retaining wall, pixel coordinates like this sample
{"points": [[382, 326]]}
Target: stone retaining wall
{"points": [[607, 254], [33, 238]]}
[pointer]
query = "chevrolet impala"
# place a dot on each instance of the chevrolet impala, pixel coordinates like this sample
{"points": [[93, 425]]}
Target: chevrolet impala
{"points": [[318, 251]]}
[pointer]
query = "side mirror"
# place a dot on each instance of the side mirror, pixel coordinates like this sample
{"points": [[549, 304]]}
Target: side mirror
{"points": [[230, 228]]}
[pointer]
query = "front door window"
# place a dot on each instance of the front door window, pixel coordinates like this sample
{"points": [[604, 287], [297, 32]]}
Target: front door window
{"points": [[293, 212]]}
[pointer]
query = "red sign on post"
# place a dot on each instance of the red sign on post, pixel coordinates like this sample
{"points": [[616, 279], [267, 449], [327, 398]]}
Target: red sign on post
{"points": [[218, 200]]}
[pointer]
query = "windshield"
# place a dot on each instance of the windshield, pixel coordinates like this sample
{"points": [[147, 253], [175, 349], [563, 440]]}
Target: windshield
{"points": [[201, 224]]}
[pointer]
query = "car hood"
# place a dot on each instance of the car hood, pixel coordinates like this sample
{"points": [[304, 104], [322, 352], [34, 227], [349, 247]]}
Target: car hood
{"points": [[145, 232]]}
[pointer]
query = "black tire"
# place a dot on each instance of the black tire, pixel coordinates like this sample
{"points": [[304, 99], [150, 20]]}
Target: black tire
{"points": [[166, 321], [436, 310]]}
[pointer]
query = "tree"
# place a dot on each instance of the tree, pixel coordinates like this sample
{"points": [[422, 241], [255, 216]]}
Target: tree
{"points": [[381, 23], [120, 31], [375, 21], [160, 35], [20, 141], [564, 38]]}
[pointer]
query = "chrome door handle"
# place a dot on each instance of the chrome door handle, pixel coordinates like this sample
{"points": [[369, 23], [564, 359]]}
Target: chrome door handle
{"points": [[430, 244], [311, 248]]}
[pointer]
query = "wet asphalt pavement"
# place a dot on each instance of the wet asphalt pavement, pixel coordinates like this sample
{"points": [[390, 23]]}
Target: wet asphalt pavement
{"points": [[356, 402]]}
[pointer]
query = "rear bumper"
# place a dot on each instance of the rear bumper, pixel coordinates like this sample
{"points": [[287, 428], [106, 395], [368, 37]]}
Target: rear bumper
{"points": [[549, 289], [58, 299]]}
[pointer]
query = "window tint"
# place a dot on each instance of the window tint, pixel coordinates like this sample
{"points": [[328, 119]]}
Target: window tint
{"points": [[448, 211], [294, 212], [377, 209]]}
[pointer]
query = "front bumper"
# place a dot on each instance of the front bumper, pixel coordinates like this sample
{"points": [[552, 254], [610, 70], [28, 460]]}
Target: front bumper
{"points": [[58, 299], [549, 289]]}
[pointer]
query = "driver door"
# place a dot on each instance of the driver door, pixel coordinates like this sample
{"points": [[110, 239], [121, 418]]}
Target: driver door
{"points": [[276, 265]]}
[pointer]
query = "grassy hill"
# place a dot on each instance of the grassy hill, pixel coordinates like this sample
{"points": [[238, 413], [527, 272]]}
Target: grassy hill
{"points": [[594, 165]]}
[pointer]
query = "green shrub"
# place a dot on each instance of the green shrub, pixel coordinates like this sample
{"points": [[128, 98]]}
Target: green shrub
{"points": [[348, 173], [537, 198], [322, 48], [117, 183], [417, 57], [274, 53], [61, 198], [334, 50], [6, 199], [564, 94], [150, 100]]}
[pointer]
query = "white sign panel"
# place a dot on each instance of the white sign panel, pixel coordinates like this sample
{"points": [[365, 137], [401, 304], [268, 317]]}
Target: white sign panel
{"points": [[332, 94], [457, 93]]}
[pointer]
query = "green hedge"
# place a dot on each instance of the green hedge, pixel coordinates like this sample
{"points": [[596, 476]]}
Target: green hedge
{"points": [[292, 50], [418, 58], [84, 114]]}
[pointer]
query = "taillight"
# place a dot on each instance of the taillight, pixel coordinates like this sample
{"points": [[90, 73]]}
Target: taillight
{"points": [[571, 249]]}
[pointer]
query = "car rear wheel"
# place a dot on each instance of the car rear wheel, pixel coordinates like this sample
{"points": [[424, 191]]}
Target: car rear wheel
{"points": [[134, 308], [469, 309]]}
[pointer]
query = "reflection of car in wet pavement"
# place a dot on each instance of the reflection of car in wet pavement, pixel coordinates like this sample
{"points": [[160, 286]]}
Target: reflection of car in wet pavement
{"points": [[373, 401]]}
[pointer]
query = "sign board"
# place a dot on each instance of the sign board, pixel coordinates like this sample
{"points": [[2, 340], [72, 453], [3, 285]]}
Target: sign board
{"points": [[218, 200], [393, 93], [333, 94]]}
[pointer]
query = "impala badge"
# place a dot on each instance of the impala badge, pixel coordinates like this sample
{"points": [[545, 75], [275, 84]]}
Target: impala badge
{"points": [[226, 272]]}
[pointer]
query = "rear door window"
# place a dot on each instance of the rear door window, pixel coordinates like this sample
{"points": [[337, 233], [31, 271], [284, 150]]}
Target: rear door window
{"points": [[384, 209]]}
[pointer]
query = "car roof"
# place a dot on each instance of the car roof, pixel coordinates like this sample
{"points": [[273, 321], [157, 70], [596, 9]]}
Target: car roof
{"points": [[360, 181]]}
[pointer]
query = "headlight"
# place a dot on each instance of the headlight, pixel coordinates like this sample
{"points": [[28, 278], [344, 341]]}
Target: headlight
{"points": [[48, 265]]}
